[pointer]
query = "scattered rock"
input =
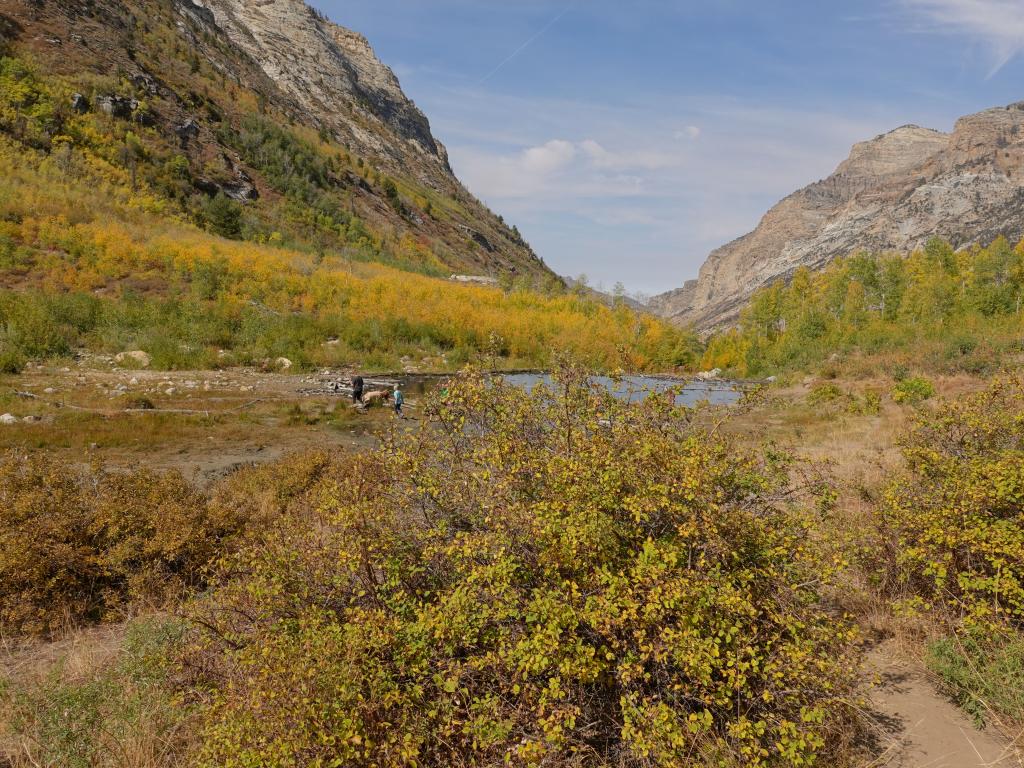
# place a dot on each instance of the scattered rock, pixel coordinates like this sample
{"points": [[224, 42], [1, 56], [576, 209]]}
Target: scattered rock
{"points": [[137, 356], [8, 419], [146, 83], [120, 107], [187, 131], [474, 279], [79, 103]]}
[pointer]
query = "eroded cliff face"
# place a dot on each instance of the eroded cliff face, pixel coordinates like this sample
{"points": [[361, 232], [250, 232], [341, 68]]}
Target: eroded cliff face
{"points": [[332, 72], [892, 194]]}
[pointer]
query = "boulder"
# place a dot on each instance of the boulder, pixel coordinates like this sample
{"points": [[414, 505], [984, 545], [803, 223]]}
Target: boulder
{"points": [[79, 103], [282, 363], [187, 131], [117, 106], [135, 356], [8, 419], [709, 375]]}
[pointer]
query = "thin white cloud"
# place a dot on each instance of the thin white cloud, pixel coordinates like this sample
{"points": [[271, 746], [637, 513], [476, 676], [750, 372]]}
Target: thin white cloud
{"points": [[631, 193], [548, 158], [997, 25], [691, 132]]}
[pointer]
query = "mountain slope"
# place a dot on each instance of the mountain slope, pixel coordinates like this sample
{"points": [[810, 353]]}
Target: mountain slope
{"points": [[198, 202], [893, 193], [279, 109]]}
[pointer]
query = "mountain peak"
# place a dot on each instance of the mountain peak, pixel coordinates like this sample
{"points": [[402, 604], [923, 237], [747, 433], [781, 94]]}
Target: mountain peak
{"points": [[323, 65], [892, 193]]}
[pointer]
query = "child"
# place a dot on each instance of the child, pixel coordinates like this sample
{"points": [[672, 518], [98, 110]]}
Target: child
{"points": [[399, 401]]}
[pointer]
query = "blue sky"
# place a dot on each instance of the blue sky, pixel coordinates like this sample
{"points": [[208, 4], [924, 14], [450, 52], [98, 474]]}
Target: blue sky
{"points": [[628, 139]]}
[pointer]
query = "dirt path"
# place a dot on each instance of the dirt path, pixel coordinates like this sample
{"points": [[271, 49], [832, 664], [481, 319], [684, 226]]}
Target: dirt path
{"points": [[919, 728]]}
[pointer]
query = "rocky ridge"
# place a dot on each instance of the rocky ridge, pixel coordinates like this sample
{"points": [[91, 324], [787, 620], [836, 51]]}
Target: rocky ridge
{"points": [[193, 72], [329, 70], [892, 193]]}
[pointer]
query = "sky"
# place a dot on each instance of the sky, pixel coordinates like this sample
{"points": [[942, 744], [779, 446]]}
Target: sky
{"points": [[628, 139]]}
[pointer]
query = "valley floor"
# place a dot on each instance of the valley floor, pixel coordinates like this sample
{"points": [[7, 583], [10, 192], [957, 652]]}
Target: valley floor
{"points": [[208, 424]]}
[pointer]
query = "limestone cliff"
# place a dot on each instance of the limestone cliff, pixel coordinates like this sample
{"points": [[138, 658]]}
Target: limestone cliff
{"points": [[893, 193], [331, 71]]}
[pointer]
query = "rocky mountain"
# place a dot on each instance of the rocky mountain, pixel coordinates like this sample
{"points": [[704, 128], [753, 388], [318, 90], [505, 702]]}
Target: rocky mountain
{"points": [[330, 71], [275, 106], [893, 193]]}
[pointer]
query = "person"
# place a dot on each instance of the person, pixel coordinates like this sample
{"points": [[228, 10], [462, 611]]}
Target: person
{"points": [[357, 390], [399, 400]]}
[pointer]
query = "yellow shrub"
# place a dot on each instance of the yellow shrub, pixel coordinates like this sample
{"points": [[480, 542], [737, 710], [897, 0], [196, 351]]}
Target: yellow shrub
{"points": [[955, 521], [554, 578]]}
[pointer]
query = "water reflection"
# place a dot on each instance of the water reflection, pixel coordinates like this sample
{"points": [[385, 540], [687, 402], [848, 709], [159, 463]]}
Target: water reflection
{"points": [[631, 388]]}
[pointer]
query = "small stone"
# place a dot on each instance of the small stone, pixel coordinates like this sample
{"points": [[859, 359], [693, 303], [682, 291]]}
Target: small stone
{"points": [[170, 391], [137, 356], [49, 391]]}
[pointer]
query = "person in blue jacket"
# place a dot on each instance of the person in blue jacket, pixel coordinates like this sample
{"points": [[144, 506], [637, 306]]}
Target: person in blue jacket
{"points": [[399, 400]]}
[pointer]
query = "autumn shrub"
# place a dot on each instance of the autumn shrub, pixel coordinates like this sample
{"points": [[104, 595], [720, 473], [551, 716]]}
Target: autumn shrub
{"points": [[81, 545], [913, 390], [533, 578], [826, 392], [953, 525]]}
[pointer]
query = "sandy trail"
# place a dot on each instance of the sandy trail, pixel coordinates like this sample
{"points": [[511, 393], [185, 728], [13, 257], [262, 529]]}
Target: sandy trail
{"points": [[922, 729]]}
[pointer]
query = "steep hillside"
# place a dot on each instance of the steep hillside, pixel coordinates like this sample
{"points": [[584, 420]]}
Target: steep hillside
{"points": [[269, 104], [892, 194], [162, 193]]}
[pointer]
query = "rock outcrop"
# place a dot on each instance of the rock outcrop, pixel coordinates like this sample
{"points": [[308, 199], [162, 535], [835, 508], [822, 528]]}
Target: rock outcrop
{"points": [[893, 193], [330, 71]]}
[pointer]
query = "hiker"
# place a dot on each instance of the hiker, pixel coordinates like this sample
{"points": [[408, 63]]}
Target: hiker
{"points": [[357, 390], [399, 400]]}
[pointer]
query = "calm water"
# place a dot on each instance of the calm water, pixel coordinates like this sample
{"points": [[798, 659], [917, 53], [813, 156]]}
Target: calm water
{"points": [[629, 388]]}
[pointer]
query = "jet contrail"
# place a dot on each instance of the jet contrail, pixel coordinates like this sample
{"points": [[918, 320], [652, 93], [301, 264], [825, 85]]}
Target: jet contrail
{"points": [[528, 43]]}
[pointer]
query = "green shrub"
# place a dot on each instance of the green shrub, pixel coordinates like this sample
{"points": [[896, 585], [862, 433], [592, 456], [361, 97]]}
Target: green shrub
{"points": [[456, 600], [826, 392], [222, 216], [953, 526], [11, 358], [913, 390]]}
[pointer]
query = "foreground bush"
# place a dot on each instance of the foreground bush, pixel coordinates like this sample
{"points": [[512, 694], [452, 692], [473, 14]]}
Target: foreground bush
{"points": [[550, 578], [955, 523], [81, 546]]}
